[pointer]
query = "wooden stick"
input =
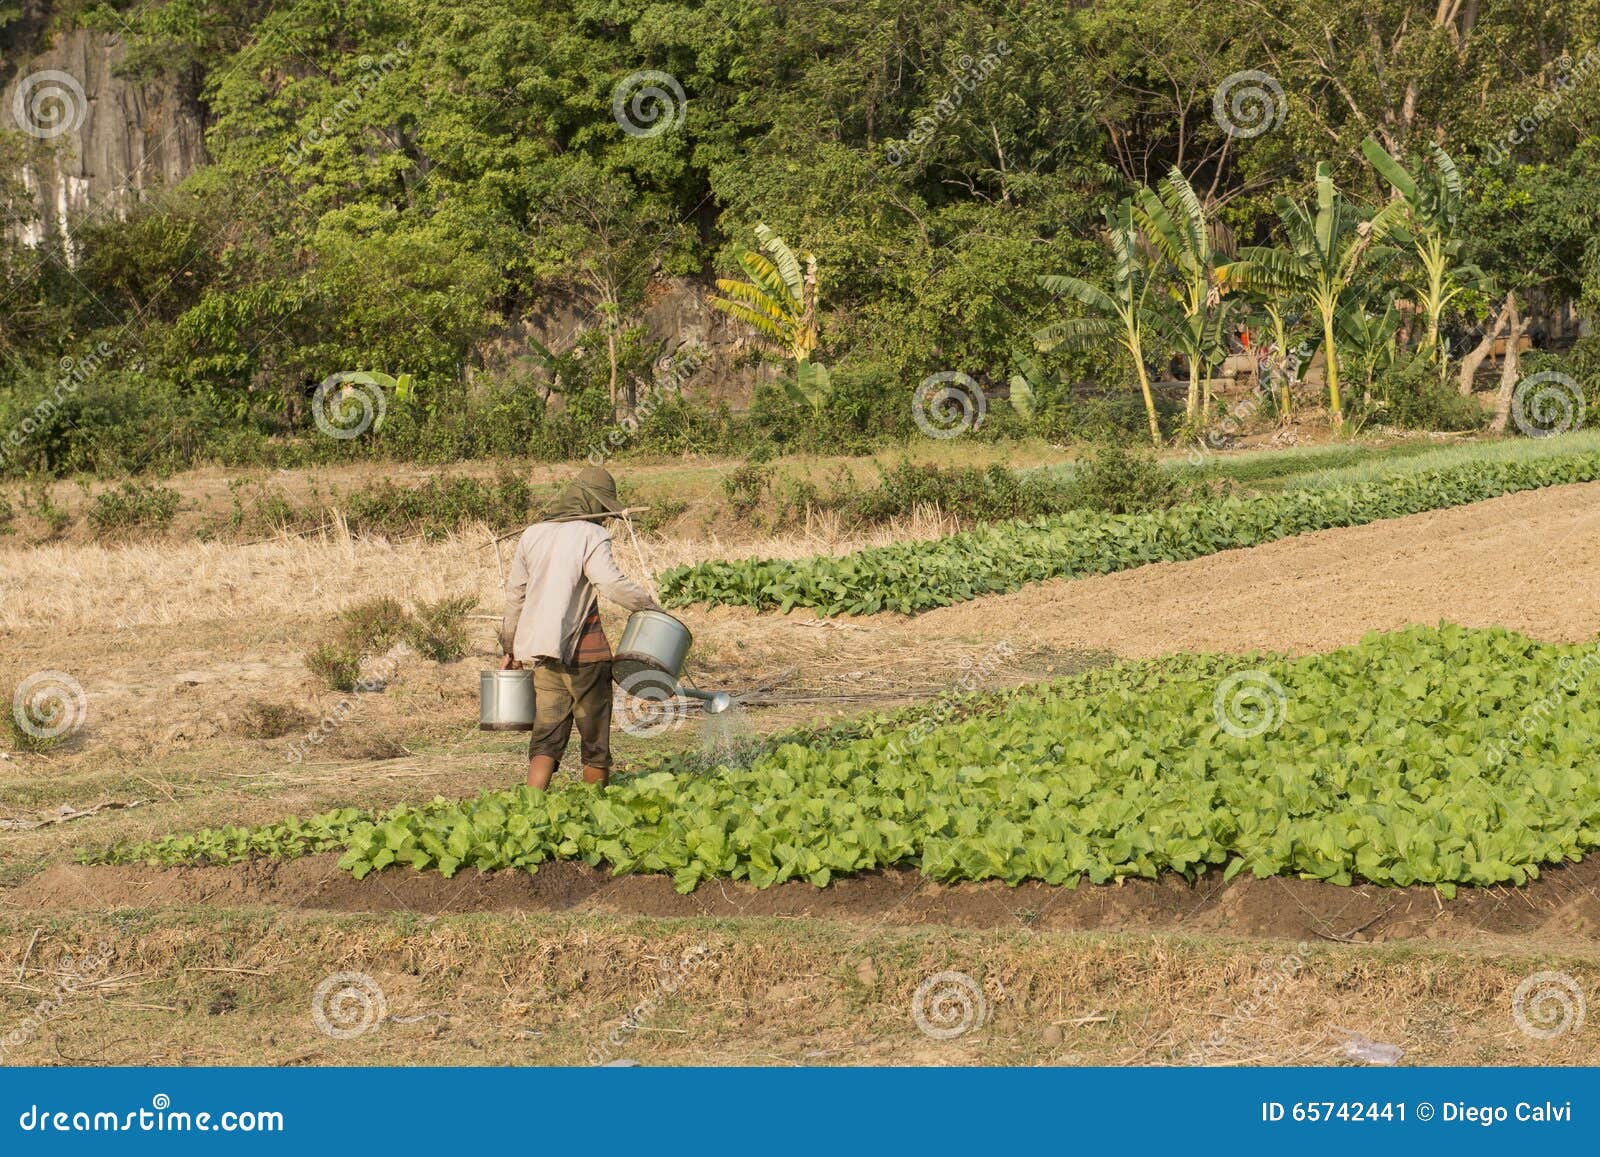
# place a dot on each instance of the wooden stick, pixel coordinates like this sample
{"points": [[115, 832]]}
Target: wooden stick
{"points": [[22, 969]]}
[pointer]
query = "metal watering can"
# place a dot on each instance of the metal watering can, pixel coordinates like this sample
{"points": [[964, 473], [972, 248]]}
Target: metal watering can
{"points": [[649, 660]]}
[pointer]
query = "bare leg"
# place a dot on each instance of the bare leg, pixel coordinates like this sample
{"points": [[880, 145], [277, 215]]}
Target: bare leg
{"points": [[596, 775], [540, 769]]}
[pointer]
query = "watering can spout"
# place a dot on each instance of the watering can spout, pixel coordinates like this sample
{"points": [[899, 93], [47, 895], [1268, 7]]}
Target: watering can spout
{"points": [[716, 701]]}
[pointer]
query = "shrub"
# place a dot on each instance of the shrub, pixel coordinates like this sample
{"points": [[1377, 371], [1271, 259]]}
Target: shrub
{"points": [[336, 664], [263, 719], [439, 631], [133, 507]]}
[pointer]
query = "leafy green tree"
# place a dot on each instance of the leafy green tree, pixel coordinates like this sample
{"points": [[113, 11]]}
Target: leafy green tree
{"points": [[1130, 314], [1176, 226], [1329, 241], [1428, 230]]}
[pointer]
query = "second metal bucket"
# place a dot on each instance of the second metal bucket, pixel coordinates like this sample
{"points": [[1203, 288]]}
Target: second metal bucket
{"points": [[505, 700], [651, 652]]}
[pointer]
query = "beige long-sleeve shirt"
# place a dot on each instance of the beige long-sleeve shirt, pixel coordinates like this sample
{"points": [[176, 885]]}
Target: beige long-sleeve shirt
{"points": [[555, 572]]}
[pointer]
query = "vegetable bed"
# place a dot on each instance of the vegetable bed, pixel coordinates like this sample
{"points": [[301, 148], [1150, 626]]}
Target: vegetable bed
{"points": [[918, 576], [1432, 755]]}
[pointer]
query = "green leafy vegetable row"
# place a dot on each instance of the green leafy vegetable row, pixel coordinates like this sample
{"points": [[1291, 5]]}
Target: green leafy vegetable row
{"points": [[918, 576], [1432, 755]]}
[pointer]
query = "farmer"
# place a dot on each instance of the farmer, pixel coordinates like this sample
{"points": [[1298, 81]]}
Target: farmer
{"points": [[553, 622]]}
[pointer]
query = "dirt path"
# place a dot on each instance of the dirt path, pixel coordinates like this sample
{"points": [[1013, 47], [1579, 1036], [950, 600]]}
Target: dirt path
{"points": [[1558, 912]]}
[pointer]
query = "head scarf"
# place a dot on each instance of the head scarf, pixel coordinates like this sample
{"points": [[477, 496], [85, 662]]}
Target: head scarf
{"points": [[592, 495]]}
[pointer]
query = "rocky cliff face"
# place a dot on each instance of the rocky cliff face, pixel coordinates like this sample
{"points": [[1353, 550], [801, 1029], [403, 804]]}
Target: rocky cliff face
{"points": [[100, 142]]}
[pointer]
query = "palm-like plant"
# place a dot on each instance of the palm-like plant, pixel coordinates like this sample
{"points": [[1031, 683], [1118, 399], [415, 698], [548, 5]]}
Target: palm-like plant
{"points": [[1176, 226], [1373, 338], [1424, 224], [1328, 241], [779, 302], [1128, 314]]}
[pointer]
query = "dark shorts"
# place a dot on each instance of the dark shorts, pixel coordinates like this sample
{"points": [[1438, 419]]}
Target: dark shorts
{"points": [[564, 695]]}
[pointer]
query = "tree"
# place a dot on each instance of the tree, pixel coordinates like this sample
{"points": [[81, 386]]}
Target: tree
{"points": [[1329, 239], [1176, 226], [1128, 314], [1428, 230], [779, 302]]}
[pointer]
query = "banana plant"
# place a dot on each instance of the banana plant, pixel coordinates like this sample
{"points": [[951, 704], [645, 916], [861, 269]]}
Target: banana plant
{"points": [[1130, 314], [1329, 239], [1423, 222], [1176, 226], [1373, 339], [779, 302]]}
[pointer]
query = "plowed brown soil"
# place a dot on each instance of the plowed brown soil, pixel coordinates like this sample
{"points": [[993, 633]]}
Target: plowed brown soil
{"points": [[1558, 912]]}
